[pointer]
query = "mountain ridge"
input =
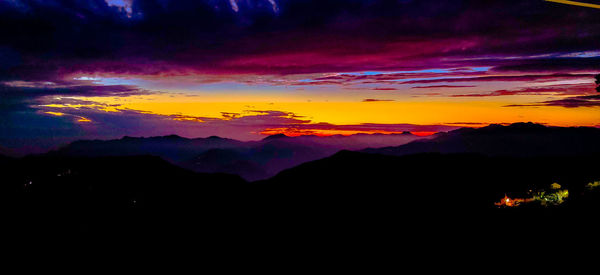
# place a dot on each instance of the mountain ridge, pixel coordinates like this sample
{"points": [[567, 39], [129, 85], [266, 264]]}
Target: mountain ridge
{"points": [[258, 160], [253, 160], [517, 139]]}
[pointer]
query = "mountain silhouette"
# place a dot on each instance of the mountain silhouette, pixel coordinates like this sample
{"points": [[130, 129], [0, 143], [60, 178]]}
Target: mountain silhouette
{"points": [[276, 136], [172, 148], [252, 160], [519, 139], [349, 195]]}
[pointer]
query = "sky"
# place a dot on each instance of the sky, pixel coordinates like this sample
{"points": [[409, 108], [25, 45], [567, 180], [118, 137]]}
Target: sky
{"points": [[244, 69]]}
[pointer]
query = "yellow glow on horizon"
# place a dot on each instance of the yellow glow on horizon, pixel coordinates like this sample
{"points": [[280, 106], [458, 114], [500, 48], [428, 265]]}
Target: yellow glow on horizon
{"points": [[329, 132], [413, 110]]}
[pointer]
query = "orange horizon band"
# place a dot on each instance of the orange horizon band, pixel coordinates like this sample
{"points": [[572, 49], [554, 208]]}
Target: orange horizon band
{"points": [[575, 3]]}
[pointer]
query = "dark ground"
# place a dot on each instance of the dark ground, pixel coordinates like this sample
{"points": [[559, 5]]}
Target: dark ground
{"points": [[348, 198]]}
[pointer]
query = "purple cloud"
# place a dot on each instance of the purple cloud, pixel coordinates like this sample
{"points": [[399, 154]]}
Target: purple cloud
{"points": [[213, 37], [565, 89], [443, 86], [570, 102]]}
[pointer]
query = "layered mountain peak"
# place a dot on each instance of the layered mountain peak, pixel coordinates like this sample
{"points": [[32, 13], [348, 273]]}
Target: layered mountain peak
{"points": [[276, 136]]}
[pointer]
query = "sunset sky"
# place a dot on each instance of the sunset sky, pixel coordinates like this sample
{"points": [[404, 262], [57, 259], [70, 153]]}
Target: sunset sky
{"points": [[244, 69]]}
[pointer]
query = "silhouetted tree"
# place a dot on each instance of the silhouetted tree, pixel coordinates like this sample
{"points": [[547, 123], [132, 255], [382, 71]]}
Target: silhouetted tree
{"points": [[597, 83]]}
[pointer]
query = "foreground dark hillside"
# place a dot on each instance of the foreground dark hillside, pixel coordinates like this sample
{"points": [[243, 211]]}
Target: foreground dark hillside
{"points": [[433, 185], [349, 195], [56, 195]]}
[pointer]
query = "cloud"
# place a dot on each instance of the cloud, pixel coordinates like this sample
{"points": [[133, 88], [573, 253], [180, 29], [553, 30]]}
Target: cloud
{"points": [[38, 128], [558, 64], [376, 100], [447, 76], [389, 78], [442, 86], [226, 37], [565, 89], [28, 127], [369, 128], [45, 44], [74, 88], [385, 89], [524, 78], [570, 102]]}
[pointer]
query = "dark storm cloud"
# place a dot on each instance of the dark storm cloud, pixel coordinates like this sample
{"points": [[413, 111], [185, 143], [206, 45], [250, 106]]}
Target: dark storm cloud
{"points": [[47, 39], [34, 90], [552, 65], [26, 129]]}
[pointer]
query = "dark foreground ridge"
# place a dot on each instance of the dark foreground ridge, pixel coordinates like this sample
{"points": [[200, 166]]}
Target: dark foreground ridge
{"points": [[350, 195], [347, 199]]}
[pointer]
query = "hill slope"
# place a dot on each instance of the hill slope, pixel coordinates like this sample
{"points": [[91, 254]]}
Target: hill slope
{"points": [[438, 186], [519, 139]]}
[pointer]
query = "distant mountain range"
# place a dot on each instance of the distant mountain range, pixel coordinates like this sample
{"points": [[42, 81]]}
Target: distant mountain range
{"points": [[515, 140], [172, 148], [257, 160], [448, 187], [252, 160]]}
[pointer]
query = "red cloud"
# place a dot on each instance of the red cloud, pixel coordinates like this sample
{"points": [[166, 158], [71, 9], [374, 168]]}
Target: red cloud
{"points": [[376, 100]]}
